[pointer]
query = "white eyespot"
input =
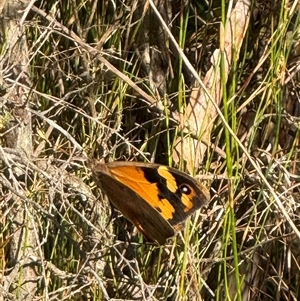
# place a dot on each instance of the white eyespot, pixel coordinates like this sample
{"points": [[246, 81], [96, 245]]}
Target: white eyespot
{"points": [[185, 189]]}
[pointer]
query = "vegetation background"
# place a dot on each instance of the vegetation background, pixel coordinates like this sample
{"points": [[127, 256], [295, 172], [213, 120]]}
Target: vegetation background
{"points": [[210, 87]]}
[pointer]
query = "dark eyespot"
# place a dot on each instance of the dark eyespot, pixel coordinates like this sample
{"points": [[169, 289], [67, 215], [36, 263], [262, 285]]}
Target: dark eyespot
{"points": [[185, 189]]}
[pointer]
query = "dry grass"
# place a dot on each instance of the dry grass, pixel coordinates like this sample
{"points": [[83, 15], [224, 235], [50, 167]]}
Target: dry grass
{"points": [[105, 80]]}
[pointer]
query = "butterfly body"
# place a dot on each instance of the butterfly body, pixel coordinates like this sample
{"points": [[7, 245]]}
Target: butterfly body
{"points": [[157, 199]]}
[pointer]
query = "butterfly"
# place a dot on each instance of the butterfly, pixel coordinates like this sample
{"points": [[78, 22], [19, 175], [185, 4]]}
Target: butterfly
{"points": [[157, 199]]}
